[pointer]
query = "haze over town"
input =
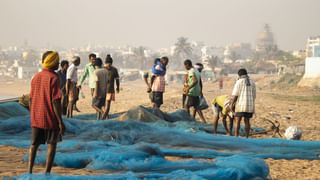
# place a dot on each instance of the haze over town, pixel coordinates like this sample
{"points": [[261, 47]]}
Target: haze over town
{"points": [[155, 24]]}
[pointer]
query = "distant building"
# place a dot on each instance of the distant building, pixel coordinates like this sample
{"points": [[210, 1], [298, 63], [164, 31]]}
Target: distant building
{"points": [[312, 42], [316, 51], [237, 51], [265, 39], [207, 52], [212, 51], [299, 54], [312, 73]]}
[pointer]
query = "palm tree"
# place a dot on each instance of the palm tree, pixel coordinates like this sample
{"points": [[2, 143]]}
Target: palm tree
{"points": [[140, 56], [183, 49]]}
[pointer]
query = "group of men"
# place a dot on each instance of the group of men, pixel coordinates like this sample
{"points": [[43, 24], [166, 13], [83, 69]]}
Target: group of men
{"points": [[236, 106], [53, 94], [101, 84]]}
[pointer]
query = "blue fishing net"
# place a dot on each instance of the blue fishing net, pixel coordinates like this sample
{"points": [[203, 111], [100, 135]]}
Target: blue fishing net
{"points": [[136, 145]]}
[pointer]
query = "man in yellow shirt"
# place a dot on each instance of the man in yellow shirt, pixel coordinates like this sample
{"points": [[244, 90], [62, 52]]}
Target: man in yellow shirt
{"points": [[221, 106]]}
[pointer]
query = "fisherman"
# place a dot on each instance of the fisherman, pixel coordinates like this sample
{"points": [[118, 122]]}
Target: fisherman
{"points": [[158, 82], [45, 110], [145, 78], [221, 105], [100, 91], [244, 95], [112, 77], [63, 79], [193, 89], [199, 67], [71, 86], [88, 71]]}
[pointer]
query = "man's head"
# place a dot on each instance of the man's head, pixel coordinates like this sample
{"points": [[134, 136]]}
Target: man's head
{"points": [[50, 60], [76, 60], [108, 61], [188, 64], [199, 67], [242, 72], [98, 62], [64, 65], [164, 60], [156, 61], [92, 58]]}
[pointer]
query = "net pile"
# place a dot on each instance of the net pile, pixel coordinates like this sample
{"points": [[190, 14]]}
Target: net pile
{"points": [[135, 145]]}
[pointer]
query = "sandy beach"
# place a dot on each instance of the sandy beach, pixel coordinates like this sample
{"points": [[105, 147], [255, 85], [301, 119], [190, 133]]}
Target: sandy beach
{"points": [[281, 105]]}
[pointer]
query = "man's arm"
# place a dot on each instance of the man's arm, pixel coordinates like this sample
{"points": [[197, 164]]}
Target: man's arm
{"points": [[117, 77], [63, 87], [194, 82], [201, 87], [235, 94], [118, 84], [83, 76], [68, 86], [234, 100], [145, 78], [56, 106], [152, 79]]}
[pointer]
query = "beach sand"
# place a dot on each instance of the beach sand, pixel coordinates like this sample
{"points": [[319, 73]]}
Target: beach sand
{"points": [[292, 111]]}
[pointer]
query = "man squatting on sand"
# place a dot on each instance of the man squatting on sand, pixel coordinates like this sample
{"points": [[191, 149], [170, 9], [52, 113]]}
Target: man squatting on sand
{"points": [[45, 109], [221, 106]]}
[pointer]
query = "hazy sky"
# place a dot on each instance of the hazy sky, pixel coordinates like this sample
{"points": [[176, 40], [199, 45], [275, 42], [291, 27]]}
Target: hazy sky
{"points": [[156, 23]]}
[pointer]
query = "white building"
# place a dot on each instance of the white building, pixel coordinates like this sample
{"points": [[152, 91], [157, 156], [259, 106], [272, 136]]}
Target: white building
{"points": [[312, 42], [312, 73]]}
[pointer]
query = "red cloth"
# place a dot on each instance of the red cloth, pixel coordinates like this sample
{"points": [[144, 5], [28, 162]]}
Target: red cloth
{"points": [[45, 87]]}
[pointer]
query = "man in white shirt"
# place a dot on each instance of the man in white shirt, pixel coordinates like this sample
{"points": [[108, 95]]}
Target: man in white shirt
{"points": [[244, 95], [71, 86]]}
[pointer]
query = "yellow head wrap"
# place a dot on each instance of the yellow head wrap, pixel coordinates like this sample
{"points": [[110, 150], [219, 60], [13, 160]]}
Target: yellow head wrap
{"points": [[51, 60]]}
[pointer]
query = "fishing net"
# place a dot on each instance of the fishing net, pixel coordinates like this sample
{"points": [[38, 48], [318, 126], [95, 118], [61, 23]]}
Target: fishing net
{"points": [[136, 145]]}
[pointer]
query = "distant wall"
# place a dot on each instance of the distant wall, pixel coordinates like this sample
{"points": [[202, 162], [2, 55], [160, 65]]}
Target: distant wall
{"points": [[311, 76]]}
